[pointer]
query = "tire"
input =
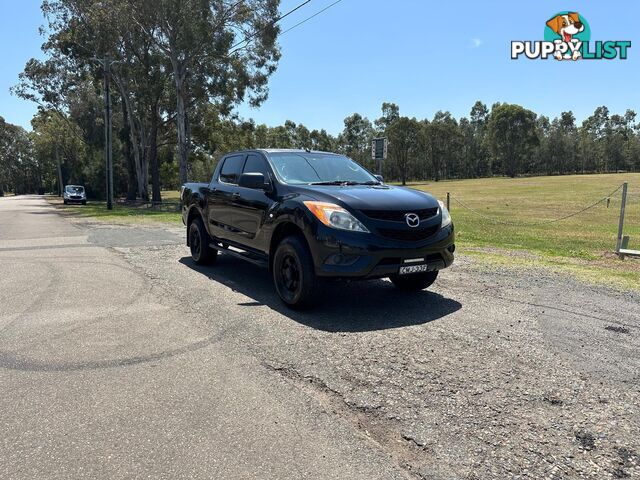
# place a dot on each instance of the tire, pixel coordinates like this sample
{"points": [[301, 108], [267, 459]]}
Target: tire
{"points": [[65, 202], [84, 202], [414, 282], [201, 252], [294, 273]]}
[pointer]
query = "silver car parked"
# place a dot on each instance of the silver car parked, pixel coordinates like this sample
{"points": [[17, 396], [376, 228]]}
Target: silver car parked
{"points": [[74, 194]]}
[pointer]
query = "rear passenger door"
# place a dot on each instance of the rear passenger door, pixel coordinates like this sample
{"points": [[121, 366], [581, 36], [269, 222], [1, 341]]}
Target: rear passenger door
{"points": [[251, 206], [220, 198]]}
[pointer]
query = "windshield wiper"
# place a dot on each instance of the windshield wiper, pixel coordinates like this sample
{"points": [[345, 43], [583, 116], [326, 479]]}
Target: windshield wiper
{"points": [[333, 182], [345, 182]]}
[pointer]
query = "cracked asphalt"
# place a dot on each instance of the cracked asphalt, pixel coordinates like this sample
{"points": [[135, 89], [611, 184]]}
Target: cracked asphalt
{"points": [[120, 358]]}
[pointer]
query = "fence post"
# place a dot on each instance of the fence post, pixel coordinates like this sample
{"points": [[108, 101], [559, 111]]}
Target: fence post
{"points": [[621, 221], [448, 201]]}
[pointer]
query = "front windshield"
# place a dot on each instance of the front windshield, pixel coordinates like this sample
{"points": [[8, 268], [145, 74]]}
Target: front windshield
{"points": [[313, 168], [74, 189]]}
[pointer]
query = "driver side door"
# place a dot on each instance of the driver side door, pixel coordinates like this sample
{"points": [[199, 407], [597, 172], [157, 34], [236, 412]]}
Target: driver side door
{"points": [[221, 196]]}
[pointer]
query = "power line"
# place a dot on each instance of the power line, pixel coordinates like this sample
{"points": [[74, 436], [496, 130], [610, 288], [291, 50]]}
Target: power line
{"points": [[246, 40], [312, 16]]}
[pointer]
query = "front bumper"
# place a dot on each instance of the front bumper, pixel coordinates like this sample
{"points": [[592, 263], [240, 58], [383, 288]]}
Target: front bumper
{"points": [[366, 255]]}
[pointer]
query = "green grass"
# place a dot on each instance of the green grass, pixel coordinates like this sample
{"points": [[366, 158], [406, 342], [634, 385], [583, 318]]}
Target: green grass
{"points": [[121, 214], [582, 244]]}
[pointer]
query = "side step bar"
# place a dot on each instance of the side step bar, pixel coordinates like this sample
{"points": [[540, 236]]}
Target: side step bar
{"points": [[244, 255]]}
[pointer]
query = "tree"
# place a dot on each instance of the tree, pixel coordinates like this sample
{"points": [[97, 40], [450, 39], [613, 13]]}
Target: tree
{"points": [[355, 139], [596, 128], [390, 113], [403, 144], [511, 136], [445, 141], [200, 40], [321, 140], [479, 156], [19, 170]]}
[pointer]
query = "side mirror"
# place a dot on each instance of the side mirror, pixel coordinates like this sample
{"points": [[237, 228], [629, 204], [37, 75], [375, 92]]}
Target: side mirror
{"points": [[255, 181], [380, 177]]}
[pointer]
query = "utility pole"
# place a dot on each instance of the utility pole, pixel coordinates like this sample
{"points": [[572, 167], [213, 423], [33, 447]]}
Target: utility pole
{"points": [[59, 172], [108, 151], [623, 205]]}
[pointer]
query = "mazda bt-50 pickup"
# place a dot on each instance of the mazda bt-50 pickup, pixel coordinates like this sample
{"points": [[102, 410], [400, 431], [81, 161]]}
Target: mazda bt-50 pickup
{"points": [[310, 215]]}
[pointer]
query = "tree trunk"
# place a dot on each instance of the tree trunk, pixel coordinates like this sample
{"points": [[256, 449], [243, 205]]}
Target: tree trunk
{"points": [[59, 173], [125, 138], [181, 117], [153, 158], [138, 142], [142, 164]]}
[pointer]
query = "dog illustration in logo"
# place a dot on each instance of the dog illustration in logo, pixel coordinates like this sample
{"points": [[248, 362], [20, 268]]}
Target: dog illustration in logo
{"points": [[567, 26]]}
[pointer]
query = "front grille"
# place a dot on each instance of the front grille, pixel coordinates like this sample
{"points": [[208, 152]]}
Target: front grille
{"points": [[398, 215], [409, 235], [76, 197]]}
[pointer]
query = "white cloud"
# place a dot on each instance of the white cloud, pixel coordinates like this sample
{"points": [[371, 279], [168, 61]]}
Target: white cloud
{"points": [[476, 42]]}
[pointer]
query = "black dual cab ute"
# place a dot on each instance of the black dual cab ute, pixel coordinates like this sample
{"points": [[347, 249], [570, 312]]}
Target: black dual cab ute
{"points": [[310, 215]]}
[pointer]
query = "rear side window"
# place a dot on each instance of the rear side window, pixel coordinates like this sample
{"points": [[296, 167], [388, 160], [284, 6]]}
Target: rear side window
{"points": [[231, 169], [255, 164]]}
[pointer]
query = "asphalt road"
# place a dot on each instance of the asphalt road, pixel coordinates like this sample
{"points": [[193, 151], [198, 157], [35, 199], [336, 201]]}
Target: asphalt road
{"points": [[119, 358]]}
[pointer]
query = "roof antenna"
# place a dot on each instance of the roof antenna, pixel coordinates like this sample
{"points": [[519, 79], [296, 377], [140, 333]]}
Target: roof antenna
{"points": [[307, 149]]}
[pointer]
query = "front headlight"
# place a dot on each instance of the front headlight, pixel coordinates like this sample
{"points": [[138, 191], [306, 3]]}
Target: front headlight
{"points": [[446, 217], [335, 216]]}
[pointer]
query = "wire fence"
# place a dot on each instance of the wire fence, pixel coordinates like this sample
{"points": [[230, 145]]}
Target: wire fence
{"points": [[627, 219], [499, 221]]}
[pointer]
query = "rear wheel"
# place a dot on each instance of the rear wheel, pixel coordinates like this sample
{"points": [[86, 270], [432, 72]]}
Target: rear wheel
{"points": [[414, 282], [201, 252], [293, 273]]}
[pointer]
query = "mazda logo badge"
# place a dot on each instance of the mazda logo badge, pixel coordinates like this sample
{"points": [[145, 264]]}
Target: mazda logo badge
{"points": [[412, 220]]}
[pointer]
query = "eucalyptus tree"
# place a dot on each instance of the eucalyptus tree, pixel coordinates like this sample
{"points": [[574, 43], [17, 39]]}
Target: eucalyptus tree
{"points": [[84, 38], [479, 118], [219, 51], [355, 139], [19, 171], [511, 136], [403, 135], [446, 146]]}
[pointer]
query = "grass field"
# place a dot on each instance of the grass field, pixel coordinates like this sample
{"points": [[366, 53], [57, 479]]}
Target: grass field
{"points": [[121, 213], [582, 244]]}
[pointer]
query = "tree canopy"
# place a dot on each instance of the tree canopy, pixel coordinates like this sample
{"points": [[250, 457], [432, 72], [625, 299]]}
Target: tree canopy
{"points": [[179, 69]]}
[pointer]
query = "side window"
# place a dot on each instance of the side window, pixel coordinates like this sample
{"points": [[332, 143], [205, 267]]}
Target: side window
{"points": [[255, 164], [231, 169]]}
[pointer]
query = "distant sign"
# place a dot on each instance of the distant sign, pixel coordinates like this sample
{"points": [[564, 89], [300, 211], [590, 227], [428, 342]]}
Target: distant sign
{"points": [[379, 148]]}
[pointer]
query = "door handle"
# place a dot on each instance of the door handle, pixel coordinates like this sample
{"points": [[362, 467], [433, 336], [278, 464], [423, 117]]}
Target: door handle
{"points": [[236, 195]]}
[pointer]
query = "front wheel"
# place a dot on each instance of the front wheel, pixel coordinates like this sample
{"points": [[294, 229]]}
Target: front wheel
{"points": [[294, 273], [414, 282], [201, 252]]}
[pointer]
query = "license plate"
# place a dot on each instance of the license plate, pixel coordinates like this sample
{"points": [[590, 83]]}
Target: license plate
{"points": [[413, 269]]}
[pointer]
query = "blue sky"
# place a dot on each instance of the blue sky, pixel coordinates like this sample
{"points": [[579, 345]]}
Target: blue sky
{"points": [[421, 54]]}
